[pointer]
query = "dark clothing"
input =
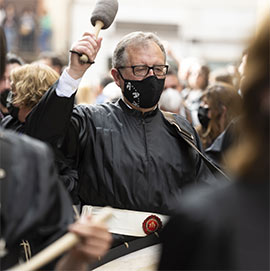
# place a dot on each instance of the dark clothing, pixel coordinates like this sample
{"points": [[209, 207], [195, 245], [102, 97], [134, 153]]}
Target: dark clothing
{"points": [[124, 158], [8, 122], [217, 150], [34, 204], [67, 174], [2, 115], [224, 229]]}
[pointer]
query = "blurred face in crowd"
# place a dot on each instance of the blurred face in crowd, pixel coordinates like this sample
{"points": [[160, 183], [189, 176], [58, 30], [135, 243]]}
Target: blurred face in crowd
{"points": [[48, 62], [5, 81], [205, 104], [5, 86], [172, 81], [198, 78], [195, 77]]}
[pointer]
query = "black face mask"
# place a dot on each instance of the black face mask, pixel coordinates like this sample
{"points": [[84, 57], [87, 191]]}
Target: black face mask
{"points": [[143, 93], [202, 116], [3, 97], [13, 110]]}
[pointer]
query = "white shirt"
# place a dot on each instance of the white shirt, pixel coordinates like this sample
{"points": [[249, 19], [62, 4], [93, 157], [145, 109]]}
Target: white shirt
{"points": [[67, 86]]}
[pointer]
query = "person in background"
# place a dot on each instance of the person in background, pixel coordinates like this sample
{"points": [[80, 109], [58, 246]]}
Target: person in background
{"points": [[220, 104], [198, 82], [101, 98], [228, 74], [45, 31], [27, 30], [10, 24], [51, 59], [112, 92], [171, 98], [172, 79], [3, 50], [228, 228], [216, 152], [184, 71], [220, 75], [12, 62], [28, 84], [93, 94]]}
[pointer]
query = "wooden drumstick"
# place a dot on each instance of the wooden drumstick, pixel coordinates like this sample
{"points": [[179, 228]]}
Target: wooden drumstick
{"points": [[61, 245], [98, 26]]}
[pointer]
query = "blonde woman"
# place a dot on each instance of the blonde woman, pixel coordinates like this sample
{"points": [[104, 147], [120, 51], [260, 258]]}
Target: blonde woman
{"points": [[28, 84]]}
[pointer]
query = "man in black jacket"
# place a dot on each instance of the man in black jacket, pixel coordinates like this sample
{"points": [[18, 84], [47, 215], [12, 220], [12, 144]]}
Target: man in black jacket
{"points": [[127, 154]]}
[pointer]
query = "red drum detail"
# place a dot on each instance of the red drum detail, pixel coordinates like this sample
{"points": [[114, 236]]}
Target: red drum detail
{"points": [[151, 224]]}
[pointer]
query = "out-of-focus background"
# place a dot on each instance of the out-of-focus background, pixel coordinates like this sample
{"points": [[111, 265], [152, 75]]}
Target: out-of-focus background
{"points": [[215, 31]]}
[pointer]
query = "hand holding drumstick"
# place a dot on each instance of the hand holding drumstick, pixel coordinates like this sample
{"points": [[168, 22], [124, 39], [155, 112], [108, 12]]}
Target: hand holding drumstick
{"points": [[88, 240]]}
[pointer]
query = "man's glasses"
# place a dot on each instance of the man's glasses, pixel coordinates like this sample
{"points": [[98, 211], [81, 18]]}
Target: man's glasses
{"points": [[143, 70]]}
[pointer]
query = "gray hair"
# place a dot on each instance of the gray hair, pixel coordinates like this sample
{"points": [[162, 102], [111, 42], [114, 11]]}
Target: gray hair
{"points": [[134, 39]]}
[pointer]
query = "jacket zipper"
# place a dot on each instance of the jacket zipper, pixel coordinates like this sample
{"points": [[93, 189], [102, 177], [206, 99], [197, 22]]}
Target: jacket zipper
{"points": [[145, 140]]}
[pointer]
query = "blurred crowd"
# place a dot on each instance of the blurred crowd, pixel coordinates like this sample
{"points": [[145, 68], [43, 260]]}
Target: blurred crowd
{"points": [[26, 30]]}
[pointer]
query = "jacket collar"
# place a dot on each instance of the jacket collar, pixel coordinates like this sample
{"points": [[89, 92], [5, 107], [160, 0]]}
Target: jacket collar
{"points": [[136, 113]]}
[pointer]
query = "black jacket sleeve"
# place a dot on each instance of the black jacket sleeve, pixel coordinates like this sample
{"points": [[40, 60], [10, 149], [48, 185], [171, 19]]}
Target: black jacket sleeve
{"points": [[54, 113]]}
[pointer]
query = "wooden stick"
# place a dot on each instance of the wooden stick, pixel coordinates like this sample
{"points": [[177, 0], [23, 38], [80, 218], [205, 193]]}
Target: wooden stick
{"points": [[61, 245], [98, 26]]}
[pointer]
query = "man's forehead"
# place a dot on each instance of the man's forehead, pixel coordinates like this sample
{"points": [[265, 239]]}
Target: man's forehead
{"points": [[140, 51], [141, 46]]}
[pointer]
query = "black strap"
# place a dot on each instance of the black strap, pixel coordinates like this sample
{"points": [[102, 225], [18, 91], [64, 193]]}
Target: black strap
{"points": [[128, 247], [80, 54], [189, 139]]}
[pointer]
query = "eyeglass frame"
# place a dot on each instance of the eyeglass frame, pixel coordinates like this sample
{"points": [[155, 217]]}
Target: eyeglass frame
{"points": [[149, 68]]}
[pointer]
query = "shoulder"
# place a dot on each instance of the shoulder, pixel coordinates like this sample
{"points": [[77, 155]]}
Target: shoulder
{"points": [[183, 124], [95, 109], [8, 122], [24, 145], [178, 119]]}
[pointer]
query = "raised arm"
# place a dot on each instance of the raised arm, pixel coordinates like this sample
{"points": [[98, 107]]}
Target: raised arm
{"points": [[50, 118]]}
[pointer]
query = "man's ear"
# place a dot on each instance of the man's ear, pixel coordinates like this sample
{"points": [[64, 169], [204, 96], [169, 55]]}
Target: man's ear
{"points": [[116, 76]]}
